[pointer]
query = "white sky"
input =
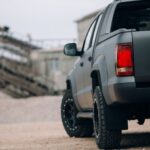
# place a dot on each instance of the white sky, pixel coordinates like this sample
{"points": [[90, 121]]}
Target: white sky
{"points": [[46, 18]]}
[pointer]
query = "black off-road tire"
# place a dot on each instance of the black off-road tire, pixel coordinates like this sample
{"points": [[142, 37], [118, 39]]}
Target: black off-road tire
{"points": [[74, 127], [105, 138]]}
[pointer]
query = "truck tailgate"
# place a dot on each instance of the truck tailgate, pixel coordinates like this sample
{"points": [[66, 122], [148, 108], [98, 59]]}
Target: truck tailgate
{"points": [[141, 50]]}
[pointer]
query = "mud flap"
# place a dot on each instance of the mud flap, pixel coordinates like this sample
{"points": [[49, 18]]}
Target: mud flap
{"points": [[115, 119]]}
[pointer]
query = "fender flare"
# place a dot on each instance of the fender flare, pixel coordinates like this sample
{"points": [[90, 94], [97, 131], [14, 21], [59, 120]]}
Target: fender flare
{"points": [[99, 72], [100, 69]]}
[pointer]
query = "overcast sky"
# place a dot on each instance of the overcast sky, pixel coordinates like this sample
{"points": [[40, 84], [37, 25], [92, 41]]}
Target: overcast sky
{"points": [[46, 18]]}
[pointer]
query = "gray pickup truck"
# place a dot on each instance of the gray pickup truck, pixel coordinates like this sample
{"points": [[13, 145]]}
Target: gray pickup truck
{"points": [[110, 82]]}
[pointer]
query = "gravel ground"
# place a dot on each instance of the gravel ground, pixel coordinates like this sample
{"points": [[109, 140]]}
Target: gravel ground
{"points": [[34, 124]]}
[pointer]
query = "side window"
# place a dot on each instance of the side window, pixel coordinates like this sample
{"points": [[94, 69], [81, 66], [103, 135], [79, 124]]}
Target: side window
{"points": [[87, 42], [96, 29]]}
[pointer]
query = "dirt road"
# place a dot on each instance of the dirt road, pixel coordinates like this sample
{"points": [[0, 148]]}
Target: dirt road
{"points": [[34, 124]]}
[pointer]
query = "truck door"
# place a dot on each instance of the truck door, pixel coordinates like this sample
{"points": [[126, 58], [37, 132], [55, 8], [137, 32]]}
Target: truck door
{"points": [[78, 79], [87, 102], [79, 74]]}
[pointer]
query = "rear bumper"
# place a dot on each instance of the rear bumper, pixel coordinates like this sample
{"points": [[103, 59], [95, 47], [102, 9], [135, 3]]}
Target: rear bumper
{"points": [[127, 93]]}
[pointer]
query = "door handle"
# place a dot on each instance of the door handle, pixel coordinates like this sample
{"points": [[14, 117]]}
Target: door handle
{"points": [[81, 64], [90, 58]]}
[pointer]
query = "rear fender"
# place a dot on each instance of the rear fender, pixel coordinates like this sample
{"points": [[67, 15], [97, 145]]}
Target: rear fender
{"points": [[101, 68], [118, 119]]}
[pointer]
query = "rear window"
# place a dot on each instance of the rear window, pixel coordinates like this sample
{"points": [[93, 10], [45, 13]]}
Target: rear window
{"points": [[132, 15]]}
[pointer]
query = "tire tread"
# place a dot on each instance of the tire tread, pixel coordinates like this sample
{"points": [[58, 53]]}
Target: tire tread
{"points": [[107, 138]]}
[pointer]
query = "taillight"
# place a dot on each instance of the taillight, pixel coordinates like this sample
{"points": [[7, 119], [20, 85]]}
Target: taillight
{"points": [[124, 60]]}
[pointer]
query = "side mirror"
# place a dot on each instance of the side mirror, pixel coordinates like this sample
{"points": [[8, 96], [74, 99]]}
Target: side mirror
{"points": [[71, 50]]}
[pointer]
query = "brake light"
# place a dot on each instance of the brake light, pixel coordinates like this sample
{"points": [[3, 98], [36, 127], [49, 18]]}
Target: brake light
{"points": [[124, 60]]}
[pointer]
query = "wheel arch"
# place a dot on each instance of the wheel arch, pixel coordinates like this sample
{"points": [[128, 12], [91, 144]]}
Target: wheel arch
{"points": [[68, 84], [99, 76], [96, 79], [99, 72]]}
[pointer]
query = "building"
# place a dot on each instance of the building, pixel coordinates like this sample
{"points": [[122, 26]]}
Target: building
{"points": [[15, 49], [52, 67], [16, 72], [29, 70], [82, 26]]}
